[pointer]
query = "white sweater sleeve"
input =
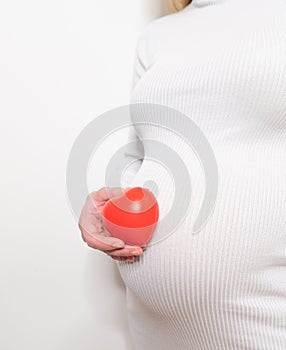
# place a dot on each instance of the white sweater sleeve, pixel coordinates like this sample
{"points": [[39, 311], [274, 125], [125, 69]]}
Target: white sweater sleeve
{"points": [[135, 152]]}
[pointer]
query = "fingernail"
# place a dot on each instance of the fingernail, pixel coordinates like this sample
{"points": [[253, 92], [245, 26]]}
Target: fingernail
{"points": [[118, 245], [136, 252]]}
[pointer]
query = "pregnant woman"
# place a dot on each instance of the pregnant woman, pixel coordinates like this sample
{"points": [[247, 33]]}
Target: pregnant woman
{"points": [[221, 63]]}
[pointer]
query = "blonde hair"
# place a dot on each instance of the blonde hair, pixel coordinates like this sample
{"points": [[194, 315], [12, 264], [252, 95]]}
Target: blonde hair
{"points": [[178, 5]]}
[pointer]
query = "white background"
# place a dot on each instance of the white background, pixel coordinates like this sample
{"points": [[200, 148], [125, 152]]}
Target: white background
{"points": [[62, 63]]}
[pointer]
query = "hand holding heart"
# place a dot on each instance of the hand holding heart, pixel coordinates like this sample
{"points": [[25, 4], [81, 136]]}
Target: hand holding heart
{"points": [[96, 235]]}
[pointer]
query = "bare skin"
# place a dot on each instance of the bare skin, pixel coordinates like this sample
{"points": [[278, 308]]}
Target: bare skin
{"points": [[93, 232]]}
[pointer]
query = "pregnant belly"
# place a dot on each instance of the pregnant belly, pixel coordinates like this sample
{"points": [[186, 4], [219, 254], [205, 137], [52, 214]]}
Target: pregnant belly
{"points": [[240, 250]]}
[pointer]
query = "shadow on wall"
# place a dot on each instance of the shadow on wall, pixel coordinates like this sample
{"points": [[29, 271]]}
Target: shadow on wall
{"points": [[105, 292]]}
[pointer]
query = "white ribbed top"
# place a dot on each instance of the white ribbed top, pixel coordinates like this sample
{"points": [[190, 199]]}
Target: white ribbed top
{"points": [[223, 64]]}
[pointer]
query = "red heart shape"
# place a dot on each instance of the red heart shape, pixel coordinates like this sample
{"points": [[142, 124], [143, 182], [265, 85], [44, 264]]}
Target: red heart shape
{"points": [[132, 217]]}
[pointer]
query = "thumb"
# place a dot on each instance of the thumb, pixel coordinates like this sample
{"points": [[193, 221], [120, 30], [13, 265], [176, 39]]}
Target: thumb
{"points": [[105, 193]]}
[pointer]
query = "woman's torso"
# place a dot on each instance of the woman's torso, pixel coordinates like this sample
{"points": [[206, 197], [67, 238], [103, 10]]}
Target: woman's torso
{"points": [[222, 64]]}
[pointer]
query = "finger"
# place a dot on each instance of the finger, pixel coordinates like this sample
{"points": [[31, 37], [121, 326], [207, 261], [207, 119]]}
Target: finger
{"points": [[144, 247], [134, 251], [133, 247], [105, 193], [91, 228], [122, 258], [90, 218], [100, 242], [100, 197], [93, 232]]}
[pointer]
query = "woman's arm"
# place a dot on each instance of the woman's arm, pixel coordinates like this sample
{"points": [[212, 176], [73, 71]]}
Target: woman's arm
{"points": [[135, 151], [135, 154]]}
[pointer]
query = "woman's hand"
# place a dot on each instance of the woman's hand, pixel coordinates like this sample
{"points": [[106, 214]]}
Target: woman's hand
{"points": [[93, 232]]}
